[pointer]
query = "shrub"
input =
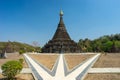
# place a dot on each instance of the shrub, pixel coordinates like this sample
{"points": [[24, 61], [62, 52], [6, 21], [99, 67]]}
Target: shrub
{"points": [[21, 52], [21, 60], [11, 68]]}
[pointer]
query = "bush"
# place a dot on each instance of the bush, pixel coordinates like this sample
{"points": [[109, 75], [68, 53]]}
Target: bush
{"points": [[21, 60], [11, 68], [21, 52]]}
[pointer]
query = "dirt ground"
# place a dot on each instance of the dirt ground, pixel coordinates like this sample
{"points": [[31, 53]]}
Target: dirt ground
{"points": [[1, 76], [102, 77], [109, 60], [20, 77], [45, 59], [13, 56], [74, 60]]}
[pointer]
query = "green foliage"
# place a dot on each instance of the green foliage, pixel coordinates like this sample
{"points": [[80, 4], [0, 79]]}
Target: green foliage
{"points": [[11, 68], [103, 44], [21, 60], [107, 46], [21, 52], [37, 49], [85, 45]]}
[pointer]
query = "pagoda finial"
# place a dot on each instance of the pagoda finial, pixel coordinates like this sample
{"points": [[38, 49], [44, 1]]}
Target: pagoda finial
{"points": [[61, 12]]}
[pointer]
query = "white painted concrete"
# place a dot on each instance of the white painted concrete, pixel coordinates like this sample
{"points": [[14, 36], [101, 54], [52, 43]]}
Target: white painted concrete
{"points": [[26, 70], [60, 75], [39, 69], [75, 73], [104, 70]]}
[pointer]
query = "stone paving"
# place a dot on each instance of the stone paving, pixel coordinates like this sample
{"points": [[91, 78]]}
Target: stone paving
{"points": [[24, 70], [60, 69]]}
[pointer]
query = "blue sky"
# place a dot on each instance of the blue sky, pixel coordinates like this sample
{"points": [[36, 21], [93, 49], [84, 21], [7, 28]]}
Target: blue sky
{"points": [[36, 20]]}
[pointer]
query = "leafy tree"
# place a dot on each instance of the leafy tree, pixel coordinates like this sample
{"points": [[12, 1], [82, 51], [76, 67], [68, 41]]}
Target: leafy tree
{"points": [[117, 46], [38, 49], [107, 46], [35, 44], [103, 44], [11, 68]]}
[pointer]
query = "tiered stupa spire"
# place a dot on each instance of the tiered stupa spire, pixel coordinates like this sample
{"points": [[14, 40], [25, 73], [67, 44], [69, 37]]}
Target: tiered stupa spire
{"points": [[61, 32], [61, 40]]}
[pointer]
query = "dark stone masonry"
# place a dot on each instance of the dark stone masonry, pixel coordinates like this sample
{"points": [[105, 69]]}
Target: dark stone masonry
{"points": [[61, 41]]}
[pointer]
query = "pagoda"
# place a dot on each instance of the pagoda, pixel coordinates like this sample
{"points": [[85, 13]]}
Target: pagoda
{"points": [[61, 41]]}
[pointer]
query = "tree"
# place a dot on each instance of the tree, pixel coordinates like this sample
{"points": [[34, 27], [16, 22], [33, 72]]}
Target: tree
{"points": [[35, 44], [11, 68], [21, 52], [107, 46], [9, 47], [87, 43], [103, 44], [117, 46]]}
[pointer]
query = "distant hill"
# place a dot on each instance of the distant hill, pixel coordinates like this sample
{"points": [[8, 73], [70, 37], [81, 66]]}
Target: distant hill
{"points": [[107, 43], [17, 46]]}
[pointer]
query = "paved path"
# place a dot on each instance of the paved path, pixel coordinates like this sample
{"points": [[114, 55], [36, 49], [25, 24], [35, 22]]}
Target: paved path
{"points": [[24, 70], [104, 70], [37, 70], [60, 70], [79, 73], [0, 71], [76, 74]]}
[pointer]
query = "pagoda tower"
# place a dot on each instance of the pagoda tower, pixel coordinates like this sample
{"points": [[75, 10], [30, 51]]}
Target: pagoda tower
{"points": [[61, 41]]}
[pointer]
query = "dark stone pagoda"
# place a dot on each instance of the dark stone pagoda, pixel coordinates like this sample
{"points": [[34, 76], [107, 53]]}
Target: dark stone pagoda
{"points": [[61, 41]]}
